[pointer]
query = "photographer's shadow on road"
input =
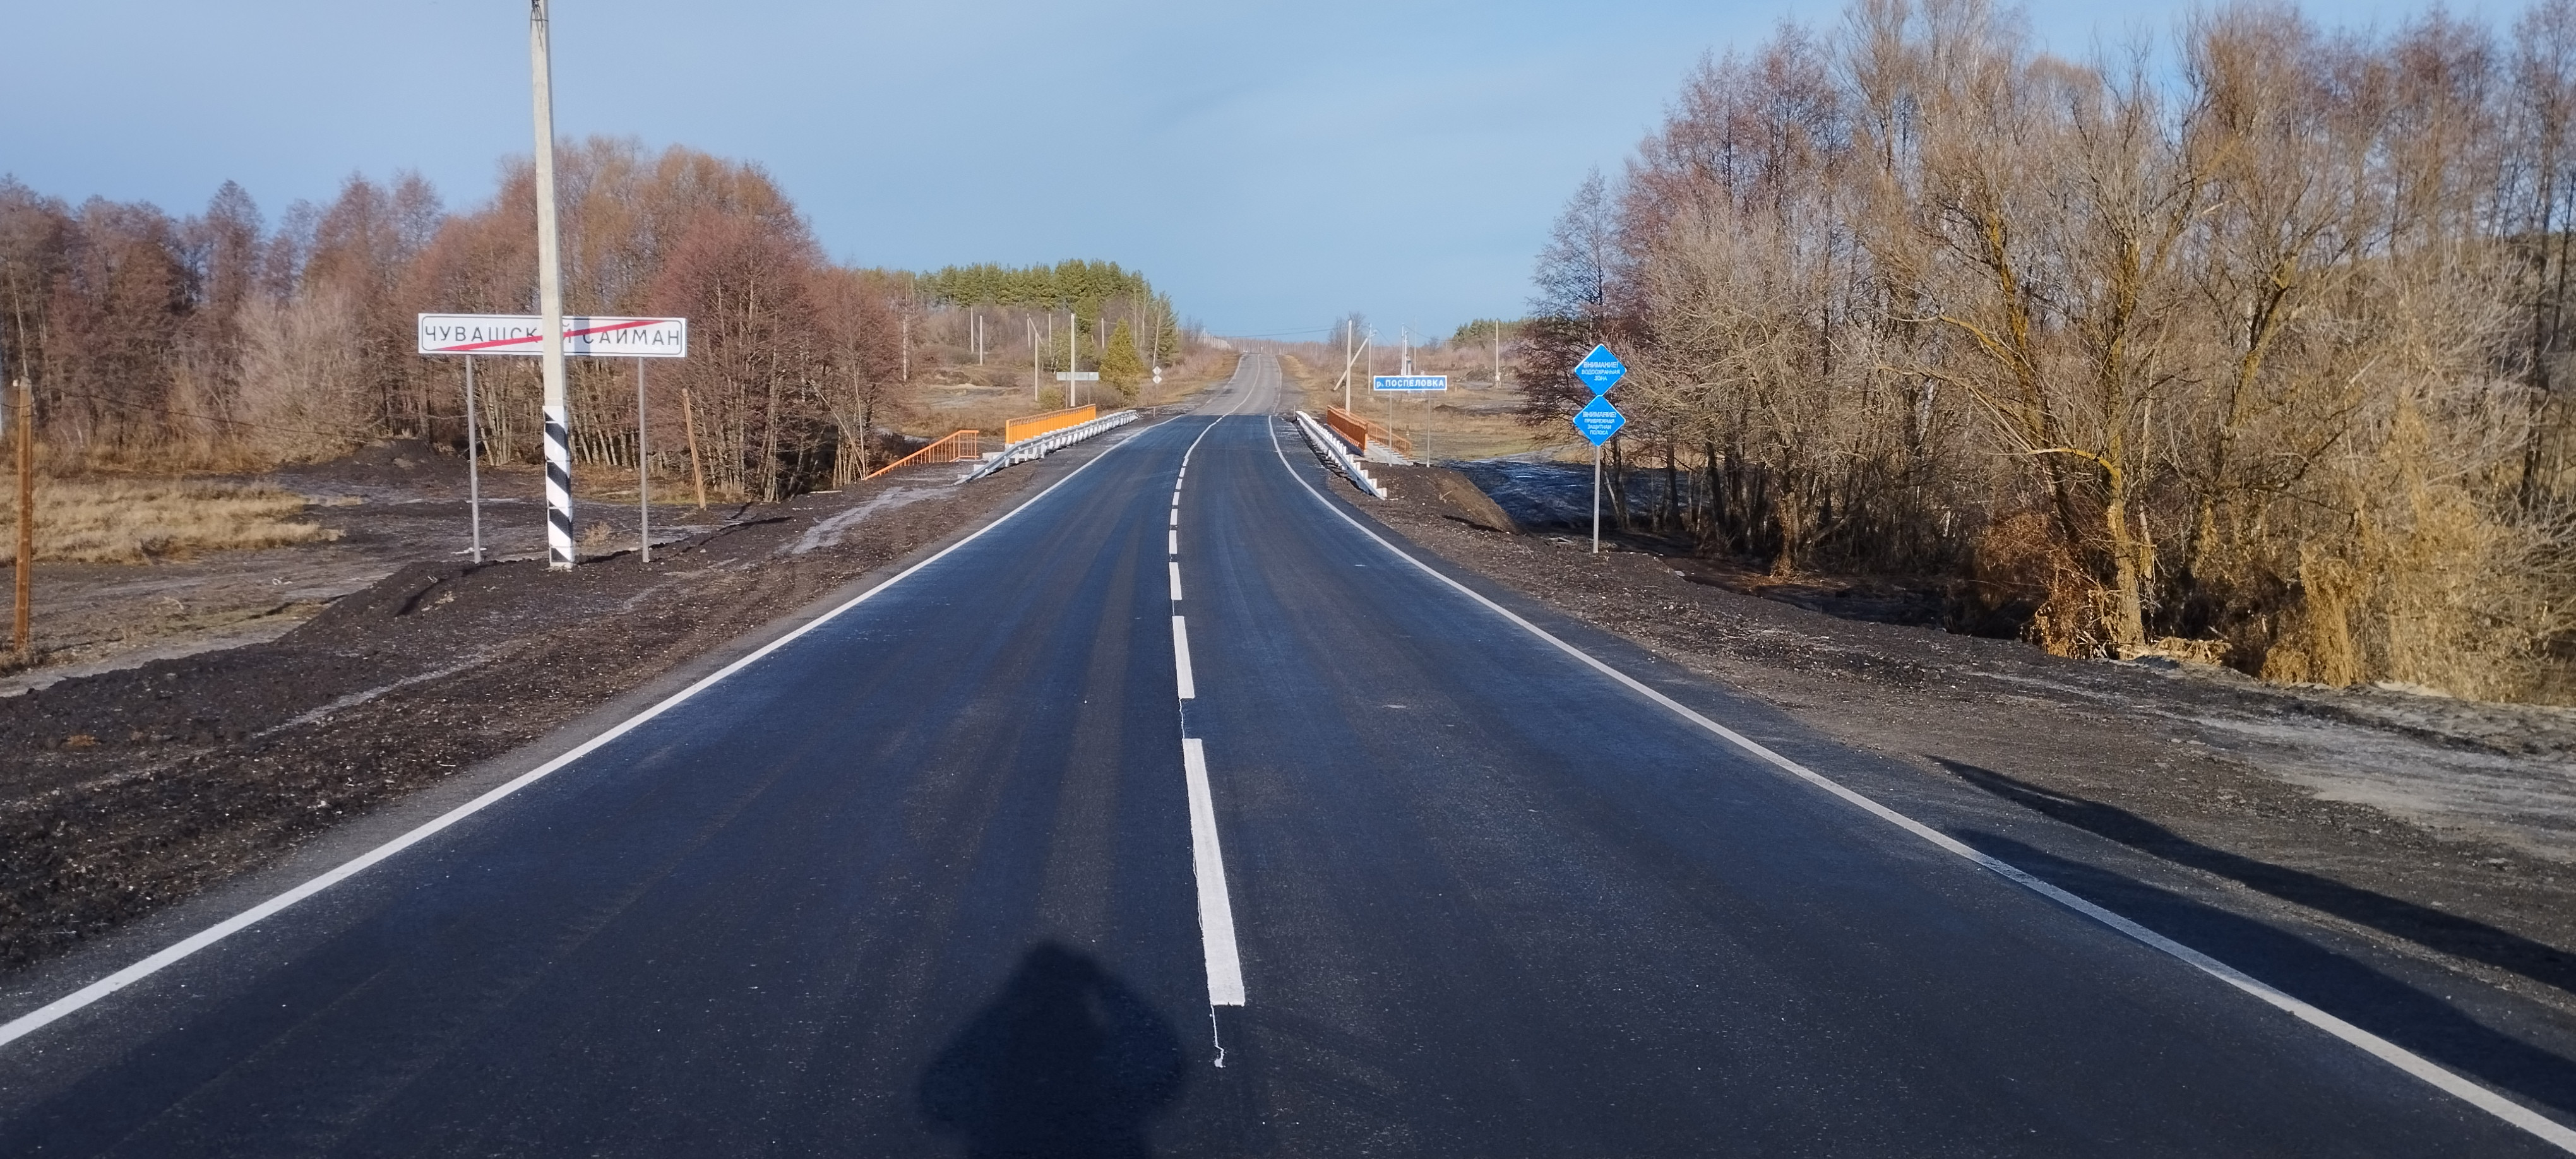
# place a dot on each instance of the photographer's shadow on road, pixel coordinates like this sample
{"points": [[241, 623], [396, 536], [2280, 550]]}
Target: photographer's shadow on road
{"points": [[1065, 1061]]}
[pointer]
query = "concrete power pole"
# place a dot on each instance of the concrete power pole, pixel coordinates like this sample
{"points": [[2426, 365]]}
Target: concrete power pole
{"points": [[558, 415]]}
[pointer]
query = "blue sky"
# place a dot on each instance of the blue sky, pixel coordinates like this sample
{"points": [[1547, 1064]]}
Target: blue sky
{"points": [[1272, 165]]}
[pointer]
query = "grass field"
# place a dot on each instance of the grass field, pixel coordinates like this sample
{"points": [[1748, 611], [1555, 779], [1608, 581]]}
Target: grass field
{"points": [[141, 520]]}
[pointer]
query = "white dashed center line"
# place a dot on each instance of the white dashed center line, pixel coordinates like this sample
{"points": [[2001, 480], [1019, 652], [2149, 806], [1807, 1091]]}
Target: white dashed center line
{"points": [[1207, 860]]}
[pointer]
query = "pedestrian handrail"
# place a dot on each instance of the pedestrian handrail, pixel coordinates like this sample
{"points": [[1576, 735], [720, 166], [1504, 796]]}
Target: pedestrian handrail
{"points": [[1023, 429], [1330, 448], [947, 448], [1040, 446]]}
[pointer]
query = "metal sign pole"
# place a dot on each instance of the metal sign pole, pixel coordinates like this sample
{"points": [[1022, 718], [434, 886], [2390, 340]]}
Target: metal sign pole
{"points": [[1596, 498], [643, 483], [473, 464]]}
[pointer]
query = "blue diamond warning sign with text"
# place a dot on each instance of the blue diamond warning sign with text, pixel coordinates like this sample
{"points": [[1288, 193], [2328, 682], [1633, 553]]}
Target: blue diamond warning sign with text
{"points": [[1600, 370], [1598, 420]]}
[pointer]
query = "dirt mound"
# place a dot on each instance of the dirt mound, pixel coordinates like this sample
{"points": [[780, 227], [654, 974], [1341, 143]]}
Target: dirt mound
{"points": [[1455, 496], [411, 462], [395, 595]]}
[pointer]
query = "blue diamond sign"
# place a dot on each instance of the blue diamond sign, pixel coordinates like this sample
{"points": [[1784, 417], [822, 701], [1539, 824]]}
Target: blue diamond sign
{"points": [[1598, 420], [1601, 370]]}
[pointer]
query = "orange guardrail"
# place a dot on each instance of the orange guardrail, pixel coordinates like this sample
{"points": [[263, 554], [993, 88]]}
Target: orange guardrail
{"points": [[948, 448], [1360, 432], [1035, 425]]}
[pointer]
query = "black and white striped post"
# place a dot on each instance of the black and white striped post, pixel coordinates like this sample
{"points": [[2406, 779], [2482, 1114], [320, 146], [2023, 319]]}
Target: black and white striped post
{"points": [[558, 415]]}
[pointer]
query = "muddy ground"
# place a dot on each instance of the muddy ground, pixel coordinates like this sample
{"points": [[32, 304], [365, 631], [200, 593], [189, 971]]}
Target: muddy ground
{"points": [[209, 715], [2443, 829]]}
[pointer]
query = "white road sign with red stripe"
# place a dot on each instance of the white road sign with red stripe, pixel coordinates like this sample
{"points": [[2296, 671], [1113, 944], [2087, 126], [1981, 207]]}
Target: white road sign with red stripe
{"points": [[518, 334]]}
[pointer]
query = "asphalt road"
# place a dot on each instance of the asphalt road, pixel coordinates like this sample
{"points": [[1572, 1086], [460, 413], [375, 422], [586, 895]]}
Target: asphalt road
{"points": [[986, 865]]}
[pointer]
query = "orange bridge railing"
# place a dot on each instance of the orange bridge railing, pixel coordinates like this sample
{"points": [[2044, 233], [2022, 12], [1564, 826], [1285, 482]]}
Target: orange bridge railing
{"points": [[1360, 432], [947, 449], [1035, 425]]}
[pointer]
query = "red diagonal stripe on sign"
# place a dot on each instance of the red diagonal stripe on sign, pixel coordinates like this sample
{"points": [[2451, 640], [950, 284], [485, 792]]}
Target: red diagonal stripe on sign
{"points": [[470, 347]]}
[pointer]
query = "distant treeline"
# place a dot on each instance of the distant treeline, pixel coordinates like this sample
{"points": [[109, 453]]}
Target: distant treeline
{"points": [[219, 340], [2251, 344]]}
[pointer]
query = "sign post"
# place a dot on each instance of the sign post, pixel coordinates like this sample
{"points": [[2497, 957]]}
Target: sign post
{"points": [[1406, 383], [643, 479], [1598, 420], [524, 335], [473, 464]]}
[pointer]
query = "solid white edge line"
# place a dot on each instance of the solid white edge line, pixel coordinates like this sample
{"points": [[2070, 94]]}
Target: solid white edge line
{"points": [[2541, 1126], [1207, 863], [51, 1012], [1176, 581], [1181, 658]]}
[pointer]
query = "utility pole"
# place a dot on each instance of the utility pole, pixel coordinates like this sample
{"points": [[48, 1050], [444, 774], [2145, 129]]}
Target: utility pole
{"points": [[1498, 354], [1036, 391], [1072, 353], [558, 414], [1350, 356]]}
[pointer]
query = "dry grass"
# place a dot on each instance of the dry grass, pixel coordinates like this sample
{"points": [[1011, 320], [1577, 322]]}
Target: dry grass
{"points": [[138, 521]]}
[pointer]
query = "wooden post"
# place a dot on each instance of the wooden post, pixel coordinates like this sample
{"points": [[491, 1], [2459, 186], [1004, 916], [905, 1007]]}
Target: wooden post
{"points": [[21, 632], [698, 474]]}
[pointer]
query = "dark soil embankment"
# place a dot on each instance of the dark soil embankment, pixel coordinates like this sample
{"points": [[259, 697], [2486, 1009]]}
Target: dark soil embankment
{"points": [[124, 791]]}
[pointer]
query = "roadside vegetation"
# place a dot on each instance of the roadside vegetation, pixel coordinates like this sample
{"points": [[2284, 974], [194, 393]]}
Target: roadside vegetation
{"points": [[219, 341], [140, 521], [2247, 343]]}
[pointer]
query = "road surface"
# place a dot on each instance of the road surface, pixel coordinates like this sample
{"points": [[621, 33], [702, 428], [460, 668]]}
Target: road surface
{"points": [[1178, 814]]}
